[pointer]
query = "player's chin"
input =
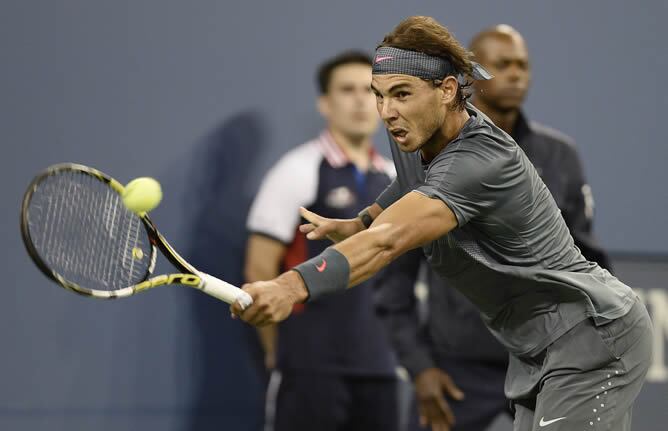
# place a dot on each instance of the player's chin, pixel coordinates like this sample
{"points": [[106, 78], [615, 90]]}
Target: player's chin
{"points": [[407, 143]]}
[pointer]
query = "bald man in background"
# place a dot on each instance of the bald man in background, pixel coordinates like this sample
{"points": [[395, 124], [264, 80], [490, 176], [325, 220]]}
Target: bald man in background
{"points": [[451, 346], [502, 50]]}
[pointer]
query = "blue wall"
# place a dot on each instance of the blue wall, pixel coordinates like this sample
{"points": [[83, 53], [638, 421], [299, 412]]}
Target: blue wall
{"points": [[155, 87]]}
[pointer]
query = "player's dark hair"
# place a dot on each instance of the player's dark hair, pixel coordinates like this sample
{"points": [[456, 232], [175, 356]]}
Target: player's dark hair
{"points": [[424, 34], [326, 69]]}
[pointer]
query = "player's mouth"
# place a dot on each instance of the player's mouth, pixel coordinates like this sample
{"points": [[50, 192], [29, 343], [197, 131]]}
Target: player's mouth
{"points": [[399, 134]]}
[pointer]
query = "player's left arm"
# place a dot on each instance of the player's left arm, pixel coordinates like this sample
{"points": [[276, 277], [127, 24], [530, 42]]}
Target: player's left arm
{"points": [[459, 185], [413, 220]]}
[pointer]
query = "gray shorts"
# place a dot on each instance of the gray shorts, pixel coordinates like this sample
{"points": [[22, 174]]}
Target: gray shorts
{"points": [[586, 380]]}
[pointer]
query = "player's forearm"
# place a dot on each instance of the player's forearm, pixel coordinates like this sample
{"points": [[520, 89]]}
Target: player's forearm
{"points": [[375, 210], [410, 222], [352, 261], [369, 214], [370, 251]]}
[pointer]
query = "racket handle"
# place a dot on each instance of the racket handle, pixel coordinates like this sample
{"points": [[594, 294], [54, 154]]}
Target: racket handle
{"points": [[224, 291]]}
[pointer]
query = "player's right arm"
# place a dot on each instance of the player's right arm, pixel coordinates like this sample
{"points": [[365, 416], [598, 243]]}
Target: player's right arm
{"points": [[451, 195], [413, 220], [337, 230]]}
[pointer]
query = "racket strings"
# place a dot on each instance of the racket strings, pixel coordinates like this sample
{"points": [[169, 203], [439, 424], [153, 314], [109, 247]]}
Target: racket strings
{"points": [[82, 230]]}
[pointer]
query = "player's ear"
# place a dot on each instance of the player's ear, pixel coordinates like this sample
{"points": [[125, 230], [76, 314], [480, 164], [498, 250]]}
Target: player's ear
{"points": [[323, 105], [449, 90]]}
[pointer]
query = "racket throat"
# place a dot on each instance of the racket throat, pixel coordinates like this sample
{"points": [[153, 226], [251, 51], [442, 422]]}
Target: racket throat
{"points": [[185, 279]]}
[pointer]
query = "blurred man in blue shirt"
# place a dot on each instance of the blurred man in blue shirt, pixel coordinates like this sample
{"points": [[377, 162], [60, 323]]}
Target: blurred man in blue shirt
{"points": [[336, 368]]}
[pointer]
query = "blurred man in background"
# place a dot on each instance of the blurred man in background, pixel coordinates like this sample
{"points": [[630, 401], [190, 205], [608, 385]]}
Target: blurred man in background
{"points": [[336, 367], [444, 341], [502, 50]]}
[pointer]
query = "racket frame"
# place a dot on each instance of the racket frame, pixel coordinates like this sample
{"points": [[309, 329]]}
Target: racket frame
{"points": [[189, 276]]}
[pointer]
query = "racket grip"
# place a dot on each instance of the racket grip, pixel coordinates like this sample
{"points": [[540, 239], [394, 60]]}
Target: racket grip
{"points": [[224, 291]]}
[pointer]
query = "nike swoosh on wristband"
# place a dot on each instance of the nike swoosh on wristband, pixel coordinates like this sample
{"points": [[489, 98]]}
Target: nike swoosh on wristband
{"points": [[544, 423], [322, 266]]}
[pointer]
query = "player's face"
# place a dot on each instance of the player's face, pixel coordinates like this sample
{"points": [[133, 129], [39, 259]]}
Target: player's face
{"points": [[349, 105], [507, 59], [412, 109]]}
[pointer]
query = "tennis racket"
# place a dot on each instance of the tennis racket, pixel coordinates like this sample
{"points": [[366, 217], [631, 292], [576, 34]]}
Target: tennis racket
{"points": [[80, 234]]}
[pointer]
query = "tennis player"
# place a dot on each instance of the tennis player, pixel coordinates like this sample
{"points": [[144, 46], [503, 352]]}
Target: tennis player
{"points": [[579, 339], [453, 344]]}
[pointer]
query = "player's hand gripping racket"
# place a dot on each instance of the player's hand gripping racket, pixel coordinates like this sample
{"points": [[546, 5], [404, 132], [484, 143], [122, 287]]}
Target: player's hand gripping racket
{"points": [[80, 234]]}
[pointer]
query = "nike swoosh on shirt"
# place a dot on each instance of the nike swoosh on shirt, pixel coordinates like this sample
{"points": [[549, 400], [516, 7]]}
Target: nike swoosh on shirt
{"points": [[544, 423]]}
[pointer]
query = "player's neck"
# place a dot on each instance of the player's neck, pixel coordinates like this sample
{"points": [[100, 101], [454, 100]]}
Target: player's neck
{"points": [[505, 120], [448, 132], [357, 150]]}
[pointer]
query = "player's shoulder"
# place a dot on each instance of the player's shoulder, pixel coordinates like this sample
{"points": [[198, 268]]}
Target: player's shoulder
{"points": [[483, 154], [552, 136], [473, 156], [485, 144]]}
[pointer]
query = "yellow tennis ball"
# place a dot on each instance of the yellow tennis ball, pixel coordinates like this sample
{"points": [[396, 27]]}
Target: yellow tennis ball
{"points": [[142, 195]]}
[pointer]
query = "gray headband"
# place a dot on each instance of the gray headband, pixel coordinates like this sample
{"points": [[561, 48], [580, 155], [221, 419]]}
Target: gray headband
{"points": [[390, 60]]}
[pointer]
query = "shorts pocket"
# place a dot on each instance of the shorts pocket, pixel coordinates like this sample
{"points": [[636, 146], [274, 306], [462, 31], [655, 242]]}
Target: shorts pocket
{"points": [[582, 349]]}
